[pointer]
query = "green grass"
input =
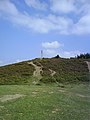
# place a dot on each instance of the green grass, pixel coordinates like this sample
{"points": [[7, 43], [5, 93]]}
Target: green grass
{"points": [[46, 102]]}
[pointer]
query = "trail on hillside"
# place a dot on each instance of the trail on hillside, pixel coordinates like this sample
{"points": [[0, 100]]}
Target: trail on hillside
{"points": [[88, 63], [38, 70], [52, 72], [10, 97]]}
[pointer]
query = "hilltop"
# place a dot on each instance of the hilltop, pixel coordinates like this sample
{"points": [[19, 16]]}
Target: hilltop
{"points": [[47, 70]]}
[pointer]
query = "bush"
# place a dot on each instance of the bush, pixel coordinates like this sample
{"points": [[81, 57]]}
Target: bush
{"points": [[57, 56], [48, 80]]}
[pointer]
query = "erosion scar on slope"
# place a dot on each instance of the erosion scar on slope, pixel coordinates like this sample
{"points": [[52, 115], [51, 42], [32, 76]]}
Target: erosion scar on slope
{"points": [[10, 97], [52, 72], [88, 63], [38, 70]]}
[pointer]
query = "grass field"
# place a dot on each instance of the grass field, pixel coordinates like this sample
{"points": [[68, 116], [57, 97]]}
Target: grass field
{"points": [[45, 102]]}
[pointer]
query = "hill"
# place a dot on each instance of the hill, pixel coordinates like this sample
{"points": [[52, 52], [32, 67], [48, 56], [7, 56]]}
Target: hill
{"points": [[47, 70]]}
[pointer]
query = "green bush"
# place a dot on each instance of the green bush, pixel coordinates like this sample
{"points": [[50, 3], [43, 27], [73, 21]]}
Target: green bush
{"points": [[48, 79]]}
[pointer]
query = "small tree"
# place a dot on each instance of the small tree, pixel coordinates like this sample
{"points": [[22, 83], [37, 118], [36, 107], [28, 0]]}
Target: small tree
{"points": [[57, 56]]}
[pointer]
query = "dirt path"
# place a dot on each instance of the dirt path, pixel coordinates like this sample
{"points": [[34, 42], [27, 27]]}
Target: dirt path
{"points": [[52, 72], [88, 63], [10, 97], [38, 70]]}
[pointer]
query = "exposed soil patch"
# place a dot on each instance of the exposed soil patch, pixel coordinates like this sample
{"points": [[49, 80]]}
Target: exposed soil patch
{"points": [[88, 63], [51, 92], [38, 70], [10, 97], [61, 90], [55, 110], [52, 72], [83, 96], [34, 93]]}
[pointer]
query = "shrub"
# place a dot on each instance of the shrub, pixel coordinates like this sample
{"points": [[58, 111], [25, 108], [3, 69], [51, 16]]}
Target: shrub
{"points": [[48, 80]]}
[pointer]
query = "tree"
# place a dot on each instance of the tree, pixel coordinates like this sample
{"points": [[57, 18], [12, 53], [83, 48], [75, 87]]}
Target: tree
{"points": [[83, 56], [57, 56]]}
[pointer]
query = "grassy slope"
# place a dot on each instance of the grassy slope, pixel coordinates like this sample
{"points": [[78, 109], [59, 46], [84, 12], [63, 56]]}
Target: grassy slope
{"points": [[18, 73], [46, 102], [67, 70]]}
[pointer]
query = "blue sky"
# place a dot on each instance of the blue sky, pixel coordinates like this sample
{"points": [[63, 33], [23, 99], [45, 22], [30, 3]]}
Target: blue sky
{"points": [[54, 26]]}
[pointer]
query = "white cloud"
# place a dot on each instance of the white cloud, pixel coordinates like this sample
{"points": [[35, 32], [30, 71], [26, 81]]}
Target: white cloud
{"points": [[36, 4], [10, 12], [51, 45], [61, 53], [50, 52], [64, 6], [38, 24], [42, 25], [61, 24], [52, 49], [83, 25], [68, 6], [2, 63], [19, 60], [8, 7], [68, 54]]}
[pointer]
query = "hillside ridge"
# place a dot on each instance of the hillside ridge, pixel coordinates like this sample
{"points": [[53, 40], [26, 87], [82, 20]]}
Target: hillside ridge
{"points": [[47, 70]]}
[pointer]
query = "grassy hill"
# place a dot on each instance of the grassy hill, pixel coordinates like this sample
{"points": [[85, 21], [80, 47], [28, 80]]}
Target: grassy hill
{"points": [[65, 71], [21, 100], [18, 73]]}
